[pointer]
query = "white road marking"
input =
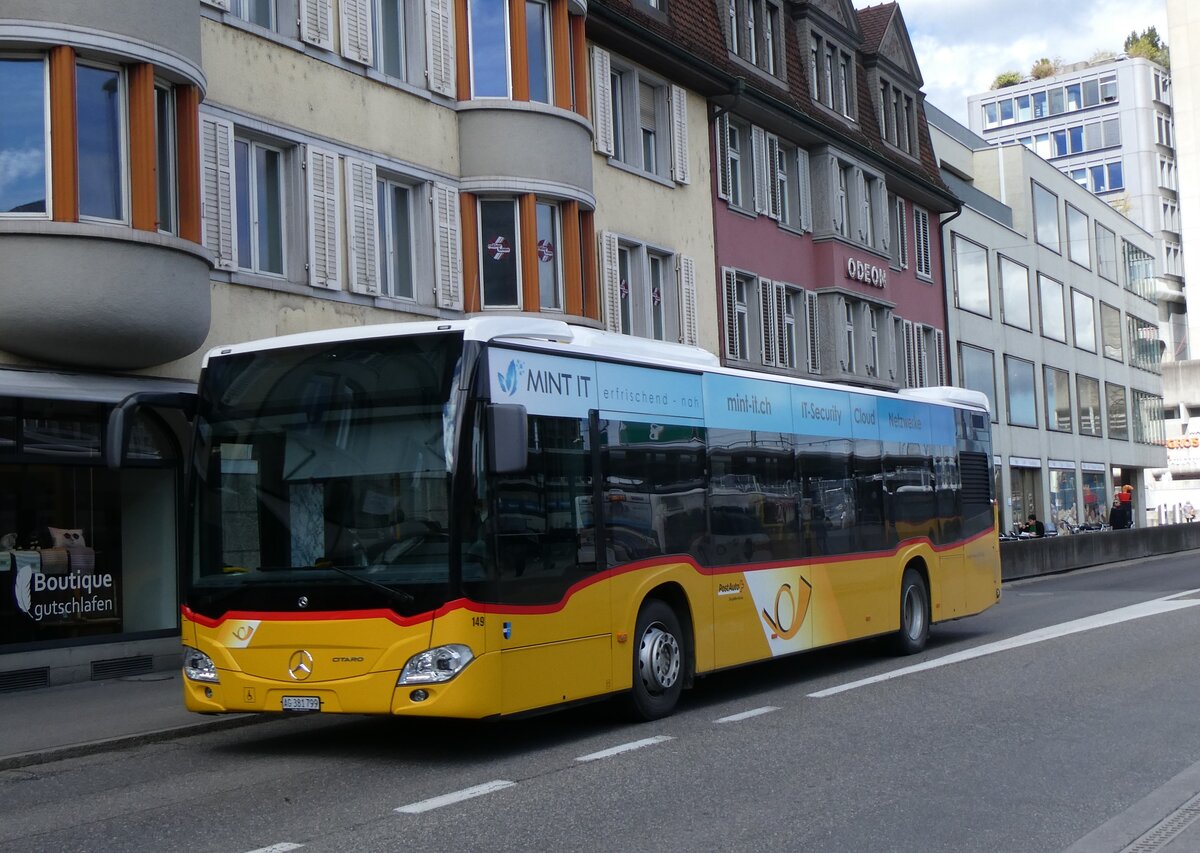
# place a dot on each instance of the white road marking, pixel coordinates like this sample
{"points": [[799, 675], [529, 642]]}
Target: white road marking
{"points": [[281, 847], [745, 715], [625, 747], [456, 797], [1051, 632]]}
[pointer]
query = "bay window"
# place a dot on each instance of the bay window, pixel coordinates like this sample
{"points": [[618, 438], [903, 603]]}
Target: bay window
{"points": [[500, 272], [164, 142], [549, 259], [103, 168], [488, 34], [537, 41], [24, 132]]}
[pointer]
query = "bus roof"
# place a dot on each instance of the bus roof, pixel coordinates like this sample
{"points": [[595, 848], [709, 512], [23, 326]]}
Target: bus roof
{"points": [[562, 337]]}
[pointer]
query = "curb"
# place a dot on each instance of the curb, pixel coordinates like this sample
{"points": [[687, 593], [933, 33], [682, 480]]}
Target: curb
{"points": [[75, 750]]}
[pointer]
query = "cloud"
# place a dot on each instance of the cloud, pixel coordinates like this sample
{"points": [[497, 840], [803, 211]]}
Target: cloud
{"points": [[18, 165], [962, 46]]}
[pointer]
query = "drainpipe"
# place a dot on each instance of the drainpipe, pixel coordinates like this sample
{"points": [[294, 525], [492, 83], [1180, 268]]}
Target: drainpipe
{"points": [[942, 223]]}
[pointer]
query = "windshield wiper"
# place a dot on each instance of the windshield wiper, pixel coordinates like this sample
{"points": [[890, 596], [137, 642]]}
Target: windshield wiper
{"points": [[397, 595]]}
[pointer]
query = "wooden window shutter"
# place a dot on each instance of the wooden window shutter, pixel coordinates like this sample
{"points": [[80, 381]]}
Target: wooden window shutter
{"points": [[724, 178], [812, 317], [357, 40], [687, 302], [610, 277], [766, 301], [447, 229], [321, 176], [680, 168], [316, 23], [732, 347], [804, 189], [602, 101], [772, 175], [758, 148], [439, 47], [217, 209], [361, 226]]}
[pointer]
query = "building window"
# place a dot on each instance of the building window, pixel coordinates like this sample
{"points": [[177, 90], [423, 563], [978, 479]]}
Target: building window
{"points": [[1139, 271], [1087, 390], [850, 364], [640, 121], [897, 117], [1106, 252], [258, 170], [1145, 348], [1014, 293], [646, 294], [972, 289], [487, 21], [500, 262], [24, 133], [1118, 414], [103, 177], [924, 258], [1051, 299], [755, 33], [1083, 310], [1110, 332], [261, 12], [1148, 425], [164, 147], [977, 371], [1021, 392], [779, 305], [833, 84], [1057, 386], [1077, 237], [391, 37], [537, 40], [549, 258], [736, 134], [1045, 217], [394, 220]]}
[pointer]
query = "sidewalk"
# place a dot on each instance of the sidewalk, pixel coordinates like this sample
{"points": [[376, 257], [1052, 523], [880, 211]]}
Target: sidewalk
{"points": [[77, 719]]}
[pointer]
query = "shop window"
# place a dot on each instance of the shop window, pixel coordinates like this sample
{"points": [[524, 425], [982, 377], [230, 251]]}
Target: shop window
{"points": [[23, 136]]}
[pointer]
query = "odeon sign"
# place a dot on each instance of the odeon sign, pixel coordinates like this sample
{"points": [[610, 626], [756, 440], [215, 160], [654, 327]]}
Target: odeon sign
{"points": [[866, 273]]}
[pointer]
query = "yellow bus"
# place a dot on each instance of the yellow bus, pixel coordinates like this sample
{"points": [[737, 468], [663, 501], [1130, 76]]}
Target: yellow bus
{"points": [[494, 516]]}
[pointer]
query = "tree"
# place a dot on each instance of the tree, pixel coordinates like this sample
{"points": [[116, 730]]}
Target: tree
{"points": [[1006, 78], [1148, 45], [1044, 68]]}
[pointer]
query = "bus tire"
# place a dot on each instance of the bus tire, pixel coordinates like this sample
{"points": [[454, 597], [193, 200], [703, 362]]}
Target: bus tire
{"points": [[659, 661], [914, 614]]}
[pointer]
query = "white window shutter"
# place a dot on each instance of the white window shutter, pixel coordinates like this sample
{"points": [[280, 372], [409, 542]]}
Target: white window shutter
{"points": [[610, 277], [357, 41], [680, 169], [804, 190], [447, 229], [758, 148], [220, 224], [864, 209], [439, 47], [766, 301], [218, 4], [321, 174], [883, 233], [837, 194], [316, 22], [602, 116], [687, 302], [772, 175], [812, 319], [732, 347], [361, 228], [724, 178]]}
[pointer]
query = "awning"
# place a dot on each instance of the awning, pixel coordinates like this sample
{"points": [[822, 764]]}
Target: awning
{"points": [[84, 387]]}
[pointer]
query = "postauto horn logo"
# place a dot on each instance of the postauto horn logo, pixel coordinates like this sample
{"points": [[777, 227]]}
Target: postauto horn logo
{"points": [[510, 379], [791, 606]]}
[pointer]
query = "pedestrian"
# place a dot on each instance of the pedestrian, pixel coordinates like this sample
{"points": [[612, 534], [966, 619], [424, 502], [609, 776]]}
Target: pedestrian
{"points": [[1119, 516], [1189, 511], [1035, 527]]}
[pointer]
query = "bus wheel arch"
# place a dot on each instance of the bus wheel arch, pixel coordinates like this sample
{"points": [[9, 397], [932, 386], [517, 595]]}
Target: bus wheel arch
{"points": [[915, 608], [662, 657]]}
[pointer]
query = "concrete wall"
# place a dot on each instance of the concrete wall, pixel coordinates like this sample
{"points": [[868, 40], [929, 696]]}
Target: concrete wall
{"points": [[1033, 557]]}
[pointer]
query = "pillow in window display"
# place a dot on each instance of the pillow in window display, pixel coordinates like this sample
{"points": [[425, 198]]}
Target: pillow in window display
{"points": [[54, 561], [64, 538]]}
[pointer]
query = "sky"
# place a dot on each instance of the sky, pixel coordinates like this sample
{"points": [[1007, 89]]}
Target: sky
{"points": [[961, 45]]}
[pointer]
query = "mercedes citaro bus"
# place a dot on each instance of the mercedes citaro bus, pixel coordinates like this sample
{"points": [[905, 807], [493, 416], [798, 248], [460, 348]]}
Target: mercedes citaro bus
{"points": [[497, 515]]}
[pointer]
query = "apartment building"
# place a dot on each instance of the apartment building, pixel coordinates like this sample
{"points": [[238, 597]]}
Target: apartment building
{"points": [[1054, 318]]}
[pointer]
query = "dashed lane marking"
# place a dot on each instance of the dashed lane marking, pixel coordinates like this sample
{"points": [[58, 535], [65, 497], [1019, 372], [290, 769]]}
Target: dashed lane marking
{"points": [[1168, 604], [455, 797], [745, 715], [281, 847], [625, 747]]}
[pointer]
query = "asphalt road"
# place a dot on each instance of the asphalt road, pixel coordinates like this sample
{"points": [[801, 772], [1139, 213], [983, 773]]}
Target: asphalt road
{"points": [[1024, 729]]}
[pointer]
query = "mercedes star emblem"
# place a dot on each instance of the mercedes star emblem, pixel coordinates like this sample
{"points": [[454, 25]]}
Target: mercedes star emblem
{"points": [[300, 665], [302, 602]]}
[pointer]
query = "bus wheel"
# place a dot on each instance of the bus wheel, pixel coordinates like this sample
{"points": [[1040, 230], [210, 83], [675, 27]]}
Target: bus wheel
{"points": [[658, 662], [914, 614]]}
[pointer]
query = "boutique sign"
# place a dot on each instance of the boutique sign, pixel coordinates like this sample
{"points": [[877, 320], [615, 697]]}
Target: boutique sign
{"points": [[866, 273], [58, 599]]}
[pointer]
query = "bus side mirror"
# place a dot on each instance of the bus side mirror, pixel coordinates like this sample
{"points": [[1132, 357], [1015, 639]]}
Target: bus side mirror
{"points": [[120, 419], [508, 438]]}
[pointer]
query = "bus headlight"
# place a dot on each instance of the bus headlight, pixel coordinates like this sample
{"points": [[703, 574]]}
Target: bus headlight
{"points": [[436, 665], [198, 666]]}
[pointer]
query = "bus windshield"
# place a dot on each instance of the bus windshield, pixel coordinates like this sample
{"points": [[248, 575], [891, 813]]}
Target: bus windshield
{"points": [[322, 477]]}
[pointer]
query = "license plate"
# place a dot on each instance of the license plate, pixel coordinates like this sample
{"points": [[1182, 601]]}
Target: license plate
{"points": [[302, 703]]}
